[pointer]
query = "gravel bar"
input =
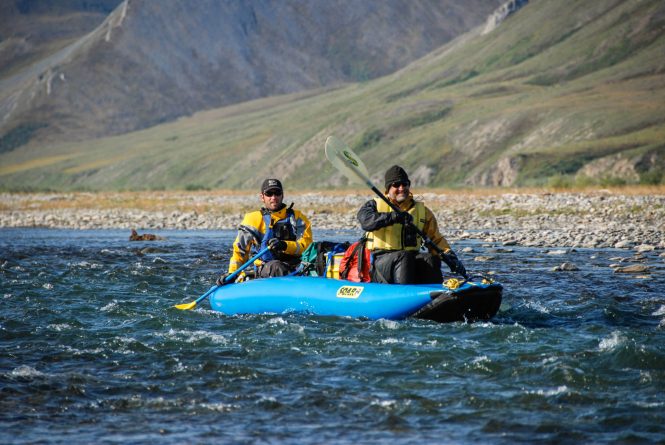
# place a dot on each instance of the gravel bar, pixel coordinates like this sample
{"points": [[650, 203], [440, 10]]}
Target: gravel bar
{"points": [[598, 219]]}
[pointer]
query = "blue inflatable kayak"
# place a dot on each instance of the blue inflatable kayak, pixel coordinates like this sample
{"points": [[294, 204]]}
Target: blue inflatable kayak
{"points": [[462, 301]]}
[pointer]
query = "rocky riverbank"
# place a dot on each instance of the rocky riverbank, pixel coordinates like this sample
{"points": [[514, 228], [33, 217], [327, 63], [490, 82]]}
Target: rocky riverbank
{"points": [[595, 219]]}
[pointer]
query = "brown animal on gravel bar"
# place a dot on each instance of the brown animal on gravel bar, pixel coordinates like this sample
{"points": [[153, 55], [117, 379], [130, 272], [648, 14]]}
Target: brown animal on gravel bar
{"points": [[145, 237]]}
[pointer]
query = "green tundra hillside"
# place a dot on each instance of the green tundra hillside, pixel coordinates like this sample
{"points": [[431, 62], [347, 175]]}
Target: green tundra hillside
{"points": [[561, 92]]}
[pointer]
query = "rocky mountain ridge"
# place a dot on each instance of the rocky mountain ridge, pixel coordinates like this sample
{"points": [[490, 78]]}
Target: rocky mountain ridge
{"points": [[152, 62]]}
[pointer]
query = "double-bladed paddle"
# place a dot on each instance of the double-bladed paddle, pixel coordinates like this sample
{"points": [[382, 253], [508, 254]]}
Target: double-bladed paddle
{"points": [[227, 280]]}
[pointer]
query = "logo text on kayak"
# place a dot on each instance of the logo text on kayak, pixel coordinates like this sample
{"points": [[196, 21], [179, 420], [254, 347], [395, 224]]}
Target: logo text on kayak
{"points": [[349, 291]]}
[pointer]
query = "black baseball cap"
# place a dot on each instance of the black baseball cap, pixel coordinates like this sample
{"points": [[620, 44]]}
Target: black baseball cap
{"points": [[271, 184]]}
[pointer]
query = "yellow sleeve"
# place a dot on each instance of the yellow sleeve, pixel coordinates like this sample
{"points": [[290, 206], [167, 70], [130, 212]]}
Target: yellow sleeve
{"points": [[431, 229], [250, 228]]}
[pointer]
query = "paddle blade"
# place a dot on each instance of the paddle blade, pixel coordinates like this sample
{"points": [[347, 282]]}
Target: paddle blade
{"points": [[186, 306], [346, 161]]}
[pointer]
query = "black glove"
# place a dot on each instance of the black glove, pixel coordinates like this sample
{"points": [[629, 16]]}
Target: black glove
{"points": [[222, 279], [277, 245], [403, 218], [454, 263]]}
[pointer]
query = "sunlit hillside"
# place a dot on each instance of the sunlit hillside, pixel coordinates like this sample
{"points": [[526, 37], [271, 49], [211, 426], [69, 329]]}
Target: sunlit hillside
{"points": [[560, 93]]}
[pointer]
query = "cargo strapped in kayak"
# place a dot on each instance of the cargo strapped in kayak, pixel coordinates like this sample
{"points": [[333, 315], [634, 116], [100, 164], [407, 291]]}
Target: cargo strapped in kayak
{"points": [[319, 258], [356, 263]]}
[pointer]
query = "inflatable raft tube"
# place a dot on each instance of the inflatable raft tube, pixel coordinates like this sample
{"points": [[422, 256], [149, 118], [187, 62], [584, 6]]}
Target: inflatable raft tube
{"points": [[468, 301]]}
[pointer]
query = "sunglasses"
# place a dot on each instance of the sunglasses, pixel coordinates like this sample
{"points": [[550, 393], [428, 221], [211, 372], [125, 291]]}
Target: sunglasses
{"points": [[401, 184], [271, 193]]}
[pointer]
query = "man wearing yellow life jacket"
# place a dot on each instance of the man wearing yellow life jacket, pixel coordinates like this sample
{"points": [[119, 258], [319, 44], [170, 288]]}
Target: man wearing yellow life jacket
{"points": [[285, 230], [394, 242]]}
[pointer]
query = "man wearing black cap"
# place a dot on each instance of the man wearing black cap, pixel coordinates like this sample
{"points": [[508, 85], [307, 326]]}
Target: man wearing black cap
{"points": [[394, 242], [286, 231]]}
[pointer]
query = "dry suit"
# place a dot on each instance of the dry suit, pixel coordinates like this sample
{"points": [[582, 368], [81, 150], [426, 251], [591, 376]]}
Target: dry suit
{"points": [[395, 245], [258, 227]]}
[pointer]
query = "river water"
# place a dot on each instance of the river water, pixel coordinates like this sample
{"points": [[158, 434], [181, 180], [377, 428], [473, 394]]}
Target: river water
{"points": [[92, 351]]}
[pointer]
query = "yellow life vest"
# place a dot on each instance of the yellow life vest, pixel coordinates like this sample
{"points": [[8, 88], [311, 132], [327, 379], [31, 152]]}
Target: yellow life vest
{"points": [[393, 237]]}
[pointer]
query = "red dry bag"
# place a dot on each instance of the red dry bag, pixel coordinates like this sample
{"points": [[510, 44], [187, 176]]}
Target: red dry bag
{"points": [[356, 263]]}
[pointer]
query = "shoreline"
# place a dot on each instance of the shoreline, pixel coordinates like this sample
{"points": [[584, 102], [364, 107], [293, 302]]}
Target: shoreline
{"points": [[584, 219]]}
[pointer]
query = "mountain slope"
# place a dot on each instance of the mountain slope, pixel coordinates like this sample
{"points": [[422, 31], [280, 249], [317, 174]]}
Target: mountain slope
{"points": [[151, 62], [546, 97], [31, 30]]}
